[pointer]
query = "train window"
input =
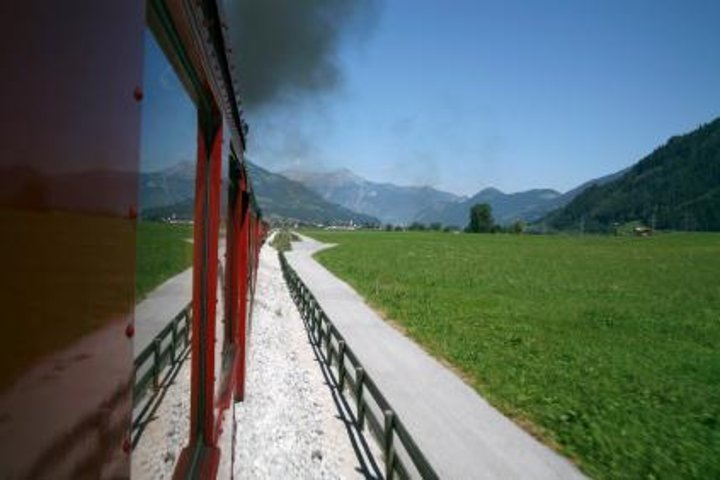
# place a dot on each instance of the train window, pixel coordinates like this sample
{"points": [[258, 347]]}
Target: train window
{"points": [[204, 127], [164, 280]]}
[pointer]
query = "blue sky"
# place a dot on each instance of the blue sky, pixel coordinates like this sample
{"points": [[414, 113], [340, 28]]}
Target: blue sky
{"points": [[168, 119], [463, 95]]}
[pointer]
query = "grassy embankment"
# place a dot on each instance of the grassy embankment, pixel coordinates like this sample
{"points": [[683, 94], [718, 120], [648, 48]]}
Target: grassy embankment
{"points": [[162, 251], [607, 348]]}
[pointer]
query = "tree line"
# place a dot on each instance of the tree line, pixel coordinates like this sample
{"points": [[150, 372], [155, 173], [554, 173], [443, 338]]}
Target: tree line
{"points": [[480, 221]]}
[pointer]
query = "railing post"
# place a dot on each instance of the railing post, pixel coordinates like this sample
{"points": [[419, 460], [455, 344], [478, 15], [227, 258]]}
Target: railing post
{"points": [[388, 444], [174, 340], [328, 339], [156, 363], [341, 364], [360, 379], [318, 323], [314, 323], [319, 335], [188, 320]]}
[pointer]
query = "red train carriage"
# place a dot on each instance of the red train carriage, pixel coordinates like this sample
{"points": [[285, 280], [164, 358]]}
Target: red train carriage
{"points": [[72, 98]]}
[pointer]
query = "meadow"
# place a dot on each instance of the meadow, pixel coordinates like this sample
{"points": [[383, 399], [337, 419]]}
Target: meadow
{"points": [[606, 348], [162, 251]]}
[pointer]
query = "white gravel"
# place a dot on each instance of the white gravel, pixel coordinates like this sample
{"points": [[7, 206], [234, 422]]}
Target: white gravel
{"points": [[290, 425]]}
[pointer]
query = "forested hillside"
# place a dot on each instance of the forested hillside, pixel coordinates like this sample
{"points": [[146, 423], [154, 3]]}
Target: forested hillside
{"points": [[675, 187]]}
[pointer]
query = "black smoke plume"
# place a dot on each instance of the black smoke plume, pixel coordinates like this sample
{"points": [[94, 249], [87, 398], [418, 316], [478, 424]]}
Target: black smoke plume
{"points": [[289, 47]]}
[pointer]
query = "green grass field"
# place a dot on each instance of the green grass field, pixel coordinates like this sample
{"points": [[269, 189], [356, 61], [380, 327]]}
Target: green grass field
{"points": [[162, 251], [607, 348]]}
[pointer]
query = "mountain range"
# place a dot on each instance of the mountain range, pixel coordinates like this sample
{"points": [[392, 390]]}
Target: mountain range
{"points": [[528, 206], [341, 197], [506, 208], [281, 198], [394, 204], [390, 203], [169, 193], [677, 186]]}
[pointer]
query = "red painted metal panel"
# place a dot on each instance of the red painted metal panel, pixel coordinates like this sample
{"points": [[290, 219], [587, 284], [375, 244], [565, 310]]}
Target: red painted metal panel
{"points": [[207, 226], [201, 455], [68, 190]]}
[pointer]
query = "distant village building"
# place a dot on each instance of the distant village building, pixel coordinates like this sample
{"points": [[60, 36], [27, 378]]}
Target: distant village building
{"points": [[642, 231]]}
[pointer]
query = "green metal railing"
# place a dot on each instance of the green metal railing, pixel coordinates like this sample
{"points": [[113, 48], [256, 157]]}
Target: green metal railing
{"points": [[157, 365], [371, 405]]}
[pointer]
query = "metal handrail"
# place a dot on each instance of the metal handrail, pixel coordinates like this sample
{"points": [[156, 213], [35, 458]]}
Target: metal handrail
{"points": [[325, 335], [152, 361]]}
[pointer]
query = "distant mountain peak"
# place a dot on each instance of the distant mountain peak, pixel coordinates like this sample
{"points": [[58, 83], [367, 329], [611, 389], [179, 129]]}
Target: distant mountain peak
{"points": [[170, 192], [389, 202], [182, 166], [491, 191], [397, 204], [346, 171], [346, 175]]}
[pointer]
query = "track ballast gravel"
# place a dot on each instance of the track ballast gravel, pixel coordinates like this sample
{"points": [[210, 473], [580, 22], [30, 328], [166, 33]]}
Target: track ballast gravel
{"points": [[289, 425]]}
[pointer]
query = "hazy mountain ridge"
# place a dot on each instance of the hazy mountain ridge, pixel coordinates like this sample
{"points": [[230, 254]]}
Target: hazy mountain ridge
{"points": [[388, 202], [677, 186], [173, 185], [506, 208], [280, 197], [170, 192], [406, 204]]}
